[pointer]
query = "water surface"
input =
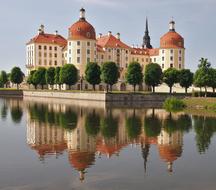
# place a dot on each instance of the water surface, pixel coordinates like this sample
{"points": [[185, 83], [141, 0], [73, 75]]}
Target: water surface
{"points": [[64, 144]]}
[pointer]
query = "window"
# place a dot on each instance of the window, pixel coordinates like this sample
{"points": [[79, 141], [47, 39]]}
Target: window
{"points": [[39, 47], [162, 66], [171, 65], [39, 54], [50, 48], [180, 58], [162, 58], [180, 52], [39, 62], [109, 57], [55, 55], [138, 59], [55, 48], [55, 62], [126, 58], [78, 59], [147, 60], [126, 51], [109, 50], [88, 51], [45, 62], [50, 54], [163, 51], [180, 66], [171, 58], [69, 51], [69, 59], [50, 62], [78, 51], [78, 43], [126, 65], [88, 60], [45, 47], [151, 60], [155, 60], [142, 59], [171, 51], [69, 43], [102, 56], [88, 43], [45, 54]]}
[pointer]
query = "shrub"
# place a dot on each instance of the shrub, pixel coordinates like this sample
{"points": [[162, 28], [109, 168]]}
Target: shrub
{"points": [[173, 104]]}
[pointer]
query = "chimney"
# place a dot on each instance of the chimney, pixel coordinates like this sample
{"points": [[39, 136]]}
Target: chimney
{"points": [[56, 32], [118, 36], [109, 33]]}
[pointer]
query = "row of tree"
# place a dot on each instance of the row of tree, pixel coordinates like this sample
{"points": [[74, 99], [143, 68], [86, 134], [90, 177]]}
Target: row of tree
{"points": [[109, 73], [16, 76]]}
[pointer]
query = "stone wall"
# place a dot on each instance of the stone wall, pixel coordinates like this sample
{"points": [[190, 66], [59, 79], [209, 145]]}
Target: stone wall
{"points": [[11, 93], [126, 98], [67, 95]]}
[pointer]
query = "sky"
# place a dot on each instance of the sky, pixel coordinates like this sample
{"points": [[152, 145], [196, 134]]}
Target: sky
{"points": [[195, 21]]}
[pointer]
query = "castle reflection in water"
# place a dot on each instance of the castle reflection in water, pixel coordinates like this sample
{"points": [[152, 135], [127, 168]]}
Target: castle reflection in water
{"points": [[87, 133]]}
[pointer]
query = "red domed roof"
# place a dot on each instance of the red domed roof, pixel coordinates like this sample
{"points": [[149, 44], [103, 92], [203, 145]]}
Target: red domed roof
{"points": [[170, 153], [81, 160], [82, 30], [172, 40]]}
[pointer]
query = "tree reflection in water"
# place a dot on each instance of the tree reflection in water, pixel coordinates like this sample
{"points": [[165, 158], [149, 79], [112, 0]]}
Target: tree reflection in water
{"points": [[88, 134]]}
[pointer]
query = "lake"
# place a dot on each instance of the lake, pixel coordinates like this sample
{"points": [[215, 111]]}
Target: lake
{"points": [[67, 144]]}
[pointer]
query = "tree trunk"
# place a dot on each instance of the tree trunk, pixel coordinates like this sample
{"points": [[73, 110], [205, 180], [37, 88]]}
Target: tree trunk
{"points": [[170, 90], [205, 91], [93, 87], [213, 89], [111, 88], [17, 86], [134, 86], [42, 87], [153, 87], [107, 88], [185, 90]]}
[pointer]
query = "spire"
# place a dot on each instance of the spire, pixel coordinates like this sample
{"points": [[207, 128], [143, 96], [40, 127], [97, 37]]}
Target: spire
{"points": [[146, 30], [146, 38]]}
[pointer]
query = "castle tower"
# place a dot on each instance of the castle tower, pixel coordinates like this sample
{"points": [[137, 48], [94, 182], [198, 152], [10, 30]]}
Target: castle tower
{"points": [[172, 51], [146, 38], [81, 47]]}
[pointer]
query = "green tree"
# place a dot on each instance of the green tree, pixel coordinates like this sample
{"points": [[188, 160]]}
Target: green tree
{"points": [[3, 78], [92, 74], [50, 76], [133, 126], [39, 77], [170, 77], [109, 126], [153, 75], [57, 76], [30, 78], [185, 78], [134, 74], [212, 82], [16, 76], [16, 114], [152, 125], [68, 75], [109, 74], [202, 77], [92, 124]]}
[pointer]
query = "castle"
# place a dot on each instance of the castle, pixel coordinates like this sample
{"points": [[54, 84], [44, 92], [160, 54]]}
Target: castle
{"points": [[82, 46]]}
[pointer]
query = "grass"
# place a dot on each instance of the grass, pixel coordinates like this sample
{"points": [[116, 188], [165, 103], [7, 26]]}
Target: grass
{"points": [[8, 89], [203, 103], [174, 104]]}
